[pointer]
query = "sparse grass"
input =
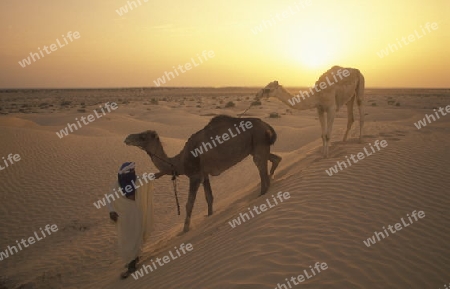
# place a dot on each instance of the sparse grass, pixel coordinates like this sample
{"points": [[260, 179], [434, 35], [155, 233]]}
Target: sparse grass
{"points": [[374, 104], [66, 103], [230, 104], [256, 102], [274, 115]]}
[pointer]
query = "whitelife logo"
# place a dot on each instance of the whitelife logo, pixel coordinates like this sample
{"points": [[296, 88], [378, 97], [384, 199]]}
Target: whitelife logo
{"points": [[188, 66], [35, 56], [411, 38]]}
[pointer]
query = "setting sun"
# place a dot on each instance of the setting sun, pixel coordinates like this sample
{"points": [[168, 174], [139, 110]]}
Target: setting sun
{"points": [[314, 49]]}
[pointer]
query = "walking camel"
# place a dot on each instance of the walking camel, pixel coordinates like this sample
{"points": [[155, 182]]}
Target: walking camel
{"points": [[328, 97], [244, 141]]}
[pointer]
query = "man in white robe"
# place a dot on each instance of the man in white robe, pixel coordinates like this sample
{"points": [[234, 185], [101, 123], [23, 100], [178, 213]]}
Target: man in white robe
{"points": [[133, 214]]}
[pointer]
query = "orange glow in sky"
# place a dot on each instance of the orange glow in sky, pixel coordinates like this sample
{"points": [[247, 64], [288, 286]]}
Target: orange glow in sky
{"points": [[403, 43]]}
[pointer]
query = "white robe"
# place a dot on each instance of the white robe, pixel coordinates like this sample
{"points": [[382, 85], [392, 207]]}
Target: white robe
{"points": [[135, 221]]}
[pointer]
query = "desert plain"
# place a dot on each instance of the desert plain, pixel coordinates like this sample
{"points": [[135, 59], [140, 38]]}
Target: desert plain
{"points": [[326, 219]]}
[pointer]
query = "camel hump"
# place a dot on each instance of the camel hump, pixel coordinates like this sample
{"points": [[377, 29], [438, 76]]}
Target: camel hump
{"points": [[220, 118]]}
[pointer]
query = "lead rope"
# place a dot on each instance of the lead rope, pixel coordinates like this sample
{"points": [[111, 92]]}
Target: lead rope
{"points": [[251, 104], [174, 180]]}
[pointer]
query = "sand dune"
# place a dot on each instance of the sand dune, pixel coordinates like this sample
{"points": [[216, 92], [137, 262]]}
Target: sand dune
{"points": [[326, 218]]}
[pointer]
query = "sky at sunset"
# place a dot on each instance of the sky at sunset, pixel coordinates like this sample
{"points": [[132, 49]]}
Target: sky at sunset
{"points": [[252, 42]]}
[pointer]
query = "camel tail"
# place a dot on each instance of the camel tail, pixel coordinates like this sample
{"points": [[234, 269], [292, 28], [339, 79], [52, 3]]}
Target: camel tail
{"points": [[360, 88], [271, 135]]}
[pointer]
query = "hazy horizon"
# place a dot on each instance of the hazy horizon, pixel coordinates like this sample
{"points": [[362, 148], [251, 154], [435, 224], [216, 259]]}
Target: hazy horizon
{"points": [[193, 87]]}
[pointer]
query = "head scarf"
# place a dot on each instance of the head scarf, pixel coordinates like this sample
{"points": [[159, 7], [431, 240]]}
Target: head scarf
{"points": [[127, 177]]}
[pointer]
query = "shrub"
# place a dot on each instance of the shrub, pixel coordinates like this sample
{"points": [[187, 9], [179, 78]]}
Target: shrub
{"points": [[65, 102], [154, 101], [230, 104], [274, 115]]}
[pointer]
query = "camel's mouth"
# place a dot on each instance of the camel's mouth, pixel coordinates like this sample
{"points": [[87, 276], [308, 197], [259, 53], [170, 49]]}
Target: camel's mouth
{"points": [[129, 141]]}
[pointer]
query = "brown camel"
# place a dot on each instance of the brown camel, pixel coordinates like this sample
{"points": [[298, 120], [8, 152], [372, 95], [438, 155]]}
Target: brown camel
{"points": [[240, 137]]}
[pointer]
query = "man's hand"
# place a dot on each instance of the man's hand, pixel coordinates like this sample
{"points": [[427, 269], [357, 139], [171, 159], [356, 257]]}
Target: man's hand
{"points": [[113, 216], [159, 174]]}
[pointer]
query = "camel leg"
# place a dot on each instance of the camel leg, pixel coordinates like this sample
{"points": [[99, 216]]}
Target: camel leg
{"points": [[360, 103], [361, 119], [275, 160], [261, 163], [323, 125], [330, 120], [351, 118], [194, 184], [208, 195]]}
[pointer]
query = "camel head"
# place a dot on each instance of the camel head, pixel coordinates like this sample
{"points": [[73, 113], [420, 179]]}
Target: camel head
{"points": [[269, 91], [147, 140]]}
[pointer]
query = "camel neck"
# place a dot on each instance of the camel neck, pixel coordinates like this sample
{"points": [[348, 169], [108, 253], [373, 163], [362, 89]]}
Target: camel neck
{"points": [[164, 163], [160, 159], [299, 101]]}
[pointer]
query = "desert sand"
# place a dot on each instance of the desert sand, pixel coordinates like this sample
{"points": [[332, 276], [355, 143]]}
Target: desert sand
{"points": [[326, 219]]}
